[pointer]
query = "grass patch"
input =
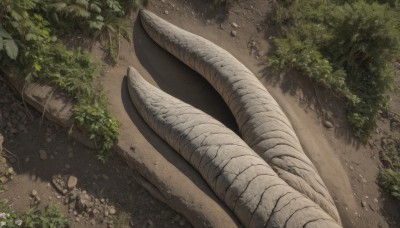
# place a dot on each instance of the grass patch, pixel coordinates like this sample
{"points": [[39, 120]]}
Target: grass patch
{"points": [[347, 46], [389, 177], [49, 217]]}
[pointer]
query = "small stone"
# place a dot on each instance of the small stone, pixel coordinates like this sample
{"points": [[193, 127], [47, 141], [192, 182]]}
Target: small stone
{"points": [[328, 124], [77, 219], [364, 204], [106, 213], [34, 193], [234, 33], [72, 182], [67, 166], [27, 159], [42, 154], [3, 179], [351, 168], [182, 222], [376, 200], [166, 12], [112, 211], [81, 204], [92, 222], [235, 25], [48, 140]]}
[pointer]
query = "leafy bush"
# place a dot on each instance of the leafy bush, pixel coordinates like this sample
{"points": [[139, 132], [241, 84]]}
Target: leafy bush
{"points": [[28, 47], [102, 127], [50, 217], [350, 47], [102, 20], [389, 177]]}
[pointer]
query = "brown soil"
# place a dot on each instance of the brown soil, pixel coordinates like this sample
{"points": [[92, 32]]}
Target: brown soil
{"points": [[348, 167]]}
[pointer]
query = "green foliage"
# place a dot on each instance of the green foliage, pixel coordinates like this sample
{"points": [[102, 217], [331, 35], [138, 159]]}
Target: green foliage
{"points": [[8, 44], [102, 20], [24, 29], [389, 177], [50, 217], [102, 127], [349, 47]]}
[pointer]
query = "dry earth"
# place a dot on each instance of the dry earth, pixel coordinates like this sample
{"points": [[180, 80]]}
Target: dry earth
{"points": [[348, 168]]}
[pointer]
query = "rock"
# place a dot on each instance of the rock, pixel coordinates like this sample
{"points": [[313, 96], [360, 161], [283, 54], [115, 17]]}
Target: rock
{"points": [[73, 195], [81, 204], [3, 179], [166, 12], [235, 25], [72, 182], [234, 33], [34, 193], [328, 124], [364, 204], [363, 180], [376, 200], [42, 154], [112, 211]]}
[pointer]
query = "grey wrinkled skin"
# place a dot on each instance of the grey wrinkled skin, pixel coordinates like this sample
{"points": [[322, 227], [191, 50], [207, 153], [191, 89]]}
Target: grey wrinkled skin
{"points": [[237, 175], [262, 123]]}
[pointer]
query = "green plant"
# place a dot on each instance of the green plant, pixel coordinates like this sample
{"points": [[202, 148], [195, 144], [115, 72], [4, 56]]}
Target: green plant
{"points": [[8, 44], [389, 177], [38, 56], [348, 46], [102, 20], [102, 127], [49, 217]]}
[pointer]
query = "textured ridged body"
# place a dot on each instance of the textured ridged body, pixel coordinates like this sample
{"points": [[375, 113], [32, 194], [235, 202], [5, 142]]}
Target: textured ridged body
{"points": [[237, 175], [262, 123]]}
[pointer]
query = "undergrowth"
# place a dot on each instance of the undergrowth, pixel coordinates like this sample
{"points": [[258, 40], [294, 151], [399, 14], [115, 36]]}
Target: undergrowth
{"points": [[389, 177], [29, 47], [49, 217], [347, 46]]}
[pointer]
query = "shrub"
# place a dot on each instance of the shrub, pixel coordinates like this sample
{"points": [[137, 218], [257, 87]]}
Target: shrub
{"points": [[350, 47], [49, 217], [389, 177], [28, 47]]}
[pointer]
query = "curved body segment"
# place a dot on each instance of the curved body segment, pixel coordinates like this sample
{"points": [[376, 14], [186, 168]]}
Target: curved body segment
{"points": [[237, 175], [262, 123]]}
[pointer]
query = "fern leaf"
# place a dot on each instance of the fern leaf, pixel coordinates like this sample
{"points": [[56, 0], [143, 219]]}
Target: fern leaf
{"points": [[11, 48], [83, 3], [58, 6], [95, 8], [77, 11], [4, 33]]}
